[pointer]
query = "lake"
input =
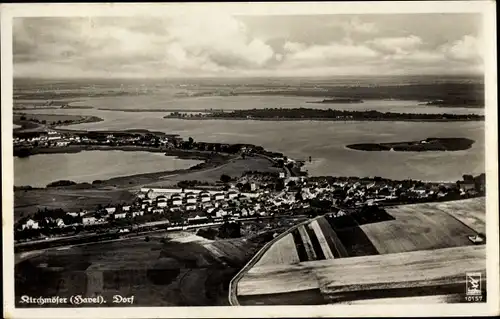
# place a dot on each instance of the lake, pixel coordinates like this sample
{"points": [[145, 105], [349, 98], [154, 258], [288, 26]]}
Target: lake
{"points": [[324, 141], [160, 101], [87, 166]]}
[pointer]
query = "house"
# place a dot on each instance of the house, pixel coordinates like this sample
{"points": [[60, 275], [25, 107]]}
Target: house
{"points": [[126, 208], [232, 194], [190, 207], [137, 213], [220, 213], [90, 220], [157, 211], [110, 210], [62, 143], [161, 198], [73, 214], [206, 205], [176, 197], [244, 212], [219, 196], [30, 224], [190, 199], [161, 204], [253, 187], [282, 175], [120, 215], [53, 135], [204, 193], [205, 198], [177, 202], [60, 223], [476, 239]]}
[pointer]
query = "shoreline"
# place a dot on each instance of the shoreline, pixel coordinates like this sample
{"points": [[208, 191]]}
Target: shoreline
{"points": [[207, 163], [29, 124], [320, 119], [427, 145], [181, 154]]}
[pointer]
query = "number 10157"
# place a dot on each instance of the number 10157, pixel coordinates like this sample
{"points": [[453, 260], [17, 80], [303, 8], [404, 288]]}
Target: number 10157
{"points": [[473, 298]]}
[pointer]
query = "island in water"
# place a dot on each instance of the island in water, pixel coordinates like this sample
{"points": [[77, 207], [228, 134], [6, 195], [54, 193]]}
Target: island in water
{"points": [[429, 144], [301, 114]]}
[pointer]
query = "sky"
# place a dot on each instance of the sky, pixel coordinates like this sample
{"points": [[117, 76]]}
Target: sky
{"points": [[219, 44]]}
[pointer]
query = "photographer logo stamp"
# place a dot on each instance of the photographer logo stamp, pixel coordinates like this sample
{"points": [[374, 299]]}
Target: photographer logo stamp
{"points": [[473, 284]]}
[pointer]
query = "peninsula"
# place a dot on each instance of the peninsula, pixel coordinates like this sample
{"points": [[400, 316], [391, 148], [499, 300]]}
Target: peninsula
{"points": [[300, 114], [429, 144]]}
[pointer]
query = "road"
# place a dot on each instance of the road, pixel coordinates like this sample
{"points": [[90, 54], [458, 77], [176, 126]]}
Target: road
{"points": [[233, 284]]}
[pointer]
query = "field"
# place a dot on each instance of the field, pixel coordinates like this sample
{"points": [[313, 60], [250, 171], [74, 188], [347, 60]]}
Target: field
{"points": [[331, 239], [471, 212], [281, 252], [407, 228], [419, 252], [277, 279], [172, 269], [404, 274], [68, 199], [432, 275], [234, 168], [417, 227]]}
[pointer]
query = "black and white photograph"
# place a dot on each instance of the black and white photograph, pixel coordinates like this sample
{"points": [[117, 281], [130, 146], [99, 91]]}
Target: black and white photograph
{"points": [[178, 156]]}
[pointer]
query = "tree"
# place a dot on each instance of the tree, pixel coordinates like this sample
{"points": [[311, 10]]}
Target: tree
{"points": [[23, 118], [225, 178], [468, 178]]}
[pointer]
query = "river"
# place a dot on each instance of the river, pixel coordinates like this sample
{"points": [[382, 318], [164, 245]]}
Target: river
{"points": [[87, 166]]}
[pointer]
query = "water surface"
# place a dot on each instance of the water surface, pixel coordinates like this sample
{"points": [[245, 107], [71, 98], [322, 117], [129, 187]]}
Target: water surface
{"points": [[87, 166]]}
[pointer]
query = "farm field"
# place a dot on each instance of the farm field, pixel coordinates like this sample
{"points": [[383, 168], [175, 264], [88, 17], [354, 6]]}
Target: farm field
{"points": [[281, 252], [321, 227], [471, 212], [417, 227], [277, 279], [432, 275], [68, 199]]}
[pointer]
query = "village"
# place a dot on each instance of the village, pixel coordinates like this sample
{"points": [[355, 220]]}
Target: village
{"points": [[254, 195]]}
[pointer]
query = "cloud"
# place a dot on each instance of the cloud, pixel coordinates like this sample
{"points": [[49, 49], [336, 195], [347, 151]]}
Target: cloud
{"points": [[203, 43], [218, 44], [299, 55], [356, 25], [468, 48], [396, 44]]}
